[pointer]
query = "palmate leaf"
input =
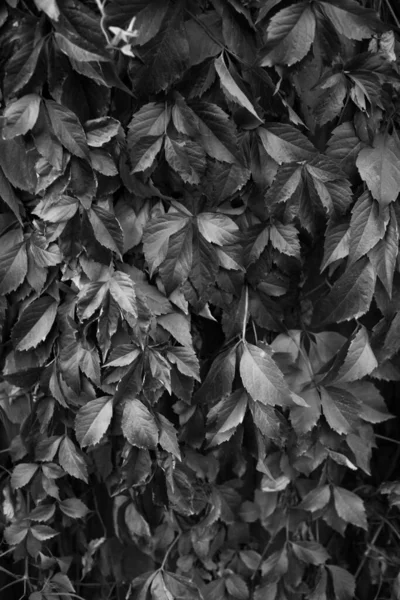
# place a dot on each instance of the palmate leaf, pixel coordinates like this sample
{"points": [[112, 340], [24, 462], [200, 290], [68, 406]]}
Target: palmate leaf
{"points": [[341, 409], [336, 244], [350, 507], [72, 460], [216, 131], [344, 147], [285, 143], [67, 128], [289, 35], [156, 237], [13, 268]]}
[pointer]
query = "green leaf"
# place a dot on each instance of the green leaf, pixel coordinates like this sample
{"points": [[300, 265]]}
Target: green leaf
{"points": [[330, 184], [18, 163], [15, 533], [261, 376], [289, 35], [344, 583], [20, 116], [8, 196], [138, 425], [49, 7], [231, 89], [68, 129], [177, 325], [72, 460], [13, 268], [350, 296], [43, 532], [22, 474], [304, 418], [177, 265], [100, 131], [360, 360], [350, 507], [93, 420], [331, 100], [225, 417], [285, 144], [35, 323], [74, 508], [21, 67], [379, 168], [311, 553]]}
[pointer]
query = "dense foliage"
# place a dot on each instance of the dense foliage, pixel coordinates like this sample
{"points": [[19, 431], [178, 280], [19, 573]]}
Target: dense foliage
{"points": [[200, 299]]}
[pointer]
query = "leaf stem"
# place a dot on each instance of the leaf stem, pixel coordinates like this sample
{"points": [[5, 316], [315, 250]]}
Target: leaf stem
{"points": [[387, 439], [395, 19], [246, 312], [168, 552]]}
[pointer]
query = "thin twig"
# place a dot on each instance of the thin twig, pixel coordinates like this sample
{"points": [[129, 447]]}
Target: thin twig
{"points": [[387, 2], [387, 439], [246, 311], [367, 551]]}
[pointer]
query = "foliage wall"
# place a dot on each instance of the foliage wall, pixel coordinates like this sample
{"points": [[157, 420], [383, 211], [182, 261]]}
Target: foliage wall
{"points": [[200, 299]]}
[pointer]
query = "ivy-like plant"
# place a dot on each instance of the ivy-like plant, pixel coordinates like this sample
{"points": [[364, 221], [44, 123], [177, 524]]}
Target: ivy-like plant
{"points": [[200, 299]]}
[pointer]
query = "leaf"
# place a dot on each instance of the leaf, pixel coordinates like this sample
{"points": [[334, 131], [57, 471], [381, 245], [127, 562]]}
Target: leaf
{"points": [[13, 268], [21, 67], [217, 229], [35, 323], [93, 420], [217, 133], [285, 144], [285, 239], [383, 256], [156, 237], [138, 425], [43, 532], [186, 158], [15, 533], [74, 508], [344, 583], [177, 325], [350, 296], [350, 507], [379, 168], [336, 244], [20, 116], [331, 99], [177, 265], [100, 131], [317, 499], [67, 128], [71, 460], [122, 290], [219, 379], [168, 437], [330, 185], [106, 229], [289, 36], [340, 408], [304, 418], [344, 146], [350, 19], [8, 196], [231, 89], [360, 360], [50, 8], [22, 474], [186, 361], [311, 553], [366, 227], [261, 376], [224, 417]]}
